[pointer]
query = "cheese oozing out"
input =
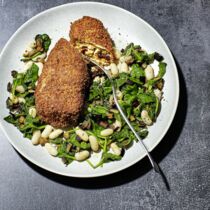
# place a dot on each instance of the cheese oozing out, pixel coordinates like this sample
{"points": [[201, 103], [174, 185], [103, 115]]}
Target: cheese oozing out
{"points": [[97, 53]]}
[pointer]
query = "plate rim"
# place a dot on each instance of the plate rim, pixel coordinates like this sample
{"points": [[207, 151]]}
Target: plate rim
{"points": [[171, 118]]}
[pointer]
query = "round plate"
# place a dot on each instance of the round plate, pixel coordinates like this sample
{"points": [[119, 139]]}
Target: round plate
{"points": [[124, 27]]}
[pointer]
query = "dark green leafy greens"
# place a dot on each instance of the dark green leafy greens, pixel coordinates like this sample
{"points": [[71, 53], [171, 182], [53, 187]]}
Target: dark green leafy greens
{"points": [[19, 110], [136, 94], [41, 46]]}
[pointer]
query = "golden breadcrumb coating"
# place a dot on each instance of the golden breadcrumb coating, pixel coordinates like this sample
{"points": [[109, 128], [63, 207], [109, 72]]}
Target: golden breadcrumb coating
{"points": [[60, 92], [89, 30]]}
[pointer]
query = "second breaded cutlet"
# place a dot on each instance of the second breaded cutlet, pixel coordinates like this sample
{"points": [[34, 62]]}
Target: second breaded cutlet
{"points": [[60, 93], [89, 35]]}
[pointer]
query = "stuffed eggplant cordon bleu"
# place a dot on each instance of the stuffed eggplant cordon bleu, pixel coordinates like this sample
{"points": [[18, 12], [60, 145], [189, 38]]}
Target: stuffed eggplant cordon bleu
{"points": [[60, 92], [91, 38], [64, 102]]}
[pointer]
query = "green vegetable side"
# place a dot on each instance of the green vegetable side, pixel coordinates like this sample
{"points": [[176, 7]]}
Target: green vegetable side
{"points": [[101, 118]]}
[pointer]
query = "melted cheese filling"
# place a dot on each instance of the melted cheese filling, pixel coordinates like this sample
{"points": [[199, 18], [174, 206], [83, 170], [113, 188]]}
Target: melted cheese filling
{"points": [[98, 54]]}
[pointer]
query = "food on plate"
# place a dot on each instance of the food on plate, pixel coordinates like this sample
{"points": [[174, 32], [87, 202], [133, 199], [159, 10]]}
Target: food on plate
{"points": [[42, 104], [89, 35], [61, 88], [37, 50]]}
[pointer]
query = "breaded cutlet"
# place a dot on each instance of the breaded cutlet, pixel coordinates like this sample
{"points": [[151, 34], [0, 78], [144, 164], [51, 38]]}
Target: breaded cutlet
{"points": [[60, 92], [89, 35]]}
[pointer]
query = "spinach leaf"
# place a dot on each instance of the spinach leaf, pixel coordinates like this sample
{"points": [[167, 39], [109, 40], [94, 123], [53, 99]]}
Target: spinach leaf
{"points": [[18, 80], [30, 100], [137, 111], [143, 133], [107, 91], [31, 75], [98, 110], [107, 157], [95, 92], [123, 134], [128, 50], [46, 42], [146, 98], [150, 58], [130, 89], [96, 128], [67, 157], [42, 44], [162, 69], [123, 77], [31, 124], [126, 107], [11, 119], [82, 145], [130, 93], [137, 71], [137, 81], [139, 56], [56, 141], [124, 143], [43, 41]]}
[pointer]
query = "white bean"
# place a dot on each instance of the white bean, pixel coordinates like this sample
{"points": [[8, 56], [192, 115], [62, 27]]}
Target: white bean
{"points": [[127, 59], [28, 49], [119, 94], [32, 112], [124, 67], [46, 132], [21, 100], [158, 93], [13, 98], [40, 66], [20, 89], [51, 149], [82, 155], [107, 132], [117, 150], [144, 65], [117, 125], [114, 69], [111, 100], [82, 134], [119, 67], [149, 72], [35, 137], [114, 111], [102, 80], [32, 44], [27, 66], [97, 79], [117, 54], [40, 57], [145, 117], [55, 133], [93, 143], [122, 59]]}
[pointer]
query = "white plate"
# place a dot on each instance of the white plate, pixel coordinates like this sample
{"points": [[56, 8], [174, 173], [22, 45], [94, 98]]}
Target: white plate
{"points": [[124, 27]]}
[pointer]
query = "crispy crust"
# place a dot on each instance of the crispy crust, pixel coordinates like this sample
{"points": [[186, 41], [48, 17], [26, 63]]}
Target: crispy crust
{"points": [[91, 30], [60, 93]]}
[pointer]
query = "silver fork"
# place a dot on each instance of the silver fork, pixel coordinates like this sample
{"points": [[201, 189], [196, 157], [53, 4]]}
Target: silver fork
{"points": [[153, 163]]}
